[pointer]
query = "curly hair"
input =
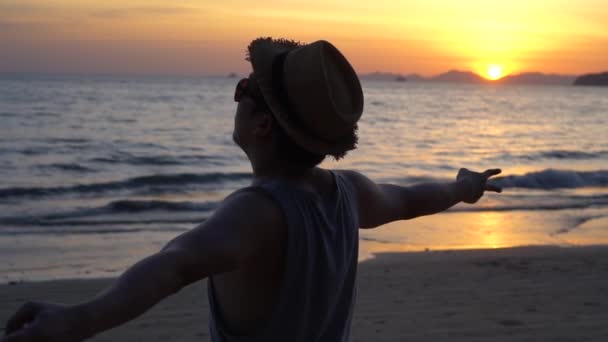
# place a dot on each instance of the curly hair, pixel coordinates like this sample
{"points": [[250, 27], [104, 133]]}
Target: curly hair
{"points": [[288, 43]]}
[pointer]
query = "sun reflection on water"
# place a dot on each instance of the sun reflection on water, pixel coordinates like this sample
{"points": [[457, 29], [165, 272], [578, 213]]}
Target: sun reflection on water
{"points": [[492, 234]]}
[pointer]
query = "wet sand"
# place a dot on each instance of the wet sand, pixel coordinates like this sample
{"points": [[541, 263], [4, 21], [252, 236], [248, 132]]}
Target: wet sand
{"points": [[514, 294]]}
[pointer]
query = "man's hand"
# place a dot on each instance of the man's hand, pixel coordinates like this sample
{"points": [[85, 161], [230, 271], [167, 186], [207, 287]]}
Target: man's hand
{"points": [[45, 322], [476, 183]]}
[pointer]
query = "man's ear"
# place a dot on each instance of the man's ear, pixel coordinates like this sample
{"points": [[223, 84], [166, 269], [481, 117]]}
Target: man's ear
{"points": [[263, 125]]}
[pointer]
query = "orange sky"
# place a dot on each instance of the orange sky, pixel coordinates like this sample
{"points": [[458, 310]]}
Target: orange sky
{"points": [[209, 37]]}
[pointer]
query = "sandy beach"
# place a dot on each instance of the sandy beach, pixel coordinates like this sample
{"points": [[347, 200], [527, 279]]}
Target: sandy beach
{"points": [[514, 294]]}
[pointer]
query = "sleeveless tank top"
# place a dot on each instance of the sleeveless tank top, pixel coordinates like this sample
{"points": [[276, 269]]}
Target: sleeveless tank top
{"points": [[317, 293]]}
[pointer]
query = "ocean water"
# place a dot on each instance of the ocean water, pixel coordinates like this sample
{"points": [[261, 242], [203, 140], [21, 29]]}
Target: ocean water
{"points": [[97, 172]]}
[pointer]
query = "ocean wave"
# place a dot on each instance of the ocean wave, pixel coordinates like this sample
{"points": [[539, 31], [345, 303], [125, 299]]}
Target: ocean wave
{"points": [[576, 224], [131, 206], [534, 207], [73, 167], [44, 113], [127, 158], [103, 224], [554, 179], [547, 179], [85, 228], [99, 215], [34, 150], [152, 183], [122, 215], [564, 154], [412, 180], [66, 140], [554, 154]]}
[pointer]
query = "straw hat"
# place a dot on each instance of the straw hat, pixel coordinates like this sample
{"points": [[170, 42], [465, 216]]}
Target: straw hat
{"points": [[312, 91]]}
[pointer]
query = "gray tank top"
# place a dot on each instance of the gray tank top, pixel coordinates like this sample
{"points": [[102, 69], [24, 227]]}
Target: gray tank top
{"points": [[317, 294]]}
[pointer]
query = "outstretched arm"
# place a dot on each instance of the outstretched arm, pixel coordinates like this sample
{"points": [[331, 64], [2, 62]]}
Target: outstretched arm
{"points": [[221, 244], [383, 203]]}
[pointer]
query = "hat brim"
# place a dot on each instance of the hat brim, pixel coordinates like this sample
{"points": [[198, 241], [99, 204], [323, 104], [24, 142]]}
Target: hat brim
{"points": [[262, 53]]}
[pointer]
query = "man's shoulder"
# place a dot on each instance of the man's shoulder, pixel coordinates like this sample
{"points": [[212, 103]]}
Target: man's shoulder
{"points": [[254, 204], [347, 173], [356, 178], [251, 197]]}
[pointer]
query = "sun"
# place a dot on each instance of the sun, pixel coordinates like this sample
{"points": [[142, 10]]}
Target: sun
{"points": [[494, 71]]}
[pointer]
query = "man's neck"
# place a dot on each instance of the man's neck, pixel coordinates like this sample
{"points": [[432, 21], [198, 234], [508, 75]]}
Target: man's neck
{"points": [[273, 168]]}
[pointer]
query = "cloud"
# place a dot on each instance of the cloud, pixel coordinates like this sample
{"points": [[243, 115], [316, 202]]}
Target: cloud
{"points": [[18, 29], [120, 13], [20, 9]]}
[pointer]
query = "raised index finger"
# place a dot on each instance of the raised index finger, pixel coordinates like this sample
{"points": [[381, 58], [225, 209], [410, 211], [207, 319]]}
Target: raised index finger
{"points": [[491, 172]]}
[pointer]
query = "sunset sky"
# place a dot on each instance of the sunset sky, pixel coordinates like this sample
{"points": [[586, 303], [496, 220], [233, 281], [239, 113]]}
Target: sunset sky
{"points": [[209, 37]]}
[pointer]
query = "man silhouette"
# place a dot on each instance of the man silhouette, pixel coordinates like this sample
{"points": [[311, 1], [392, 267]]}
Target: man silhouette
{"points": [[280, 255]]}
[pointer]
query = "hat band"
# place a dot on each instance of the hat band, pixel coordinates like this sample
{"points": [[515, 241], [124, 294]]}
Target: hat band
{"points": [[278, 85]]}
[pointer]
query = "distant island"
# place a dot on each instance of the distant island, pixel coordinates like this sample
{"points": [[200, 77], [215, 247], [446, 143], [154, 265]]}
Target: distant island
{"points": [[537, 78], [388, 76], [600, 79], [465, 76], [458, 76]]}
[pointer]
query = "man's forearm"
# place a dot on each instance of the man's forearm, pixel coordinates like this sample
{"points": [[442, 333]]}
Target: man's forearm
{"points": [[431, 198], [383, 203], [137, 290]]}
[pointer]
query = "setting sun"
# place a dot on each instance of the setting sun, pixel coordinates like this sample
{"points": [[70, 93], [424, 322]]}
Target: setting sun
{"points": [[494, 72]]}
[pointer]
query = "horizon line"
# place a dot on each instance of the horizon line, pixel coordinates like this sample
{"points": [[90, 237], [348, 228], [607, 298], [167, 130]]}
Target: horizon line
{"points": [[237, 73]]}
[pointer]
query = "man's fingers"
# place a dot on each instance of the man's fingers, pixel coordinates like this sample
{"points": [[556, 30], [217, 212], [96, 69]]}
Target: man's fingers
{"points": [[491, 172], [490, 187], [25, 314]]}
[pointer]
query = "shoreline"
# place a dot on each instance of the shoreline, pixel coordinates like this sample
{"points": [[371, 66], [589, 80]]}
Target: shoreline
{"points": [[88, 256], [376, 249], [544, 293]]}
